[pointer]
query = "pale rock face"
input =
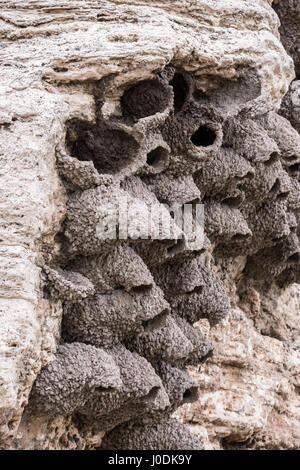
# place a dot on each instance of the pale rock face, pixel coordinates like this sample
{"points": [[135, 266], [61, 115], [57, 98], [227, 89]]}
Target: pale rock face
{"points": [[51, 54], [249, 392]]}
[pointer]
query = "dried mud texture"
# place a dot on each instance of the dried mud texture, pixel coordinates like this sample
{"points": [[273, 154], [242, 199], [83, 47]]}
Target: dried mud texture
{"points": [[99, 335], [288, 12], [162, 436]]}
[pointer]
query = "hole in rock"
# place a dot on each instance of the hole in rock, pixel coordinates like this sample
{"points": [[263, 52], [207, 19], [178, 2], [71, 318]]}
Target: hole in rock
{"points": [[110, 150], [234, 201], [142, 289], [60, 69], [282, 196], [240, 237], [230, 94], [145, 99], [190, 395], [196, 290], [157, 322], [278, 239], [199, 252], [294, 168], [248, 175], [291, 157], [180, 89], [104, 389], [203, 137], [11, 424], [5, 125], [151, 395], [274, 157], [157, 158], [295, 258]]}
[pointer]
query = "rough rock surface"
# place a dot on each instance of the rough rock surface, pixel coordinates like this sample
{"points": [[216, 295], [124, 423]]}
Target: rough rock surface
{"points": [[97, 107]]}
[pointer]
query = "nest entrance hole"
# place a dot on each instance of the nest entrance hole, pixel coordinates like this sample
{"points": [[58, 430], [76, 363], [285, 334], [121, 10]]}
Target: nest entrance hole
{"points": [[145, 99], [111, 150], [203, 137], [157, 158]]}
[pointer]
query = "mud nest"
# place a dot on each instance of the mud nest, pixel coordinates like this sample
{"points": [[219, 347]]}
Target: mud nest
{"points": [[131, 305]]}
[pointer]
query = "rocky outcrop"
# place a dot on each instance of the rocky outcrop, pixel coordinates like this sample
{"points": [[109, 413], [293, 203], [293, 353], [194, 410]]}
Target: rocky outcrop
{"points": [[249, 396], [99, 111]]}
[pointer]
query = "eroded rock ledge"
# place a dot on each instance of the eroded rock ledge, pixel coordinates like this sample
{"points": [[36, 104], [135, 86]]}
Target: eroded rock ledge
{"points": [[97, 337]]}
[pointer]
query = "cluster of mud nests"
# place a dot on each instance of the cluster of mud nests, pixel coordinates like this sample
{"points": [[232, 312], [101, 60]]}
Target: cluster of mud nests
{"points": [[131, 306]]}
